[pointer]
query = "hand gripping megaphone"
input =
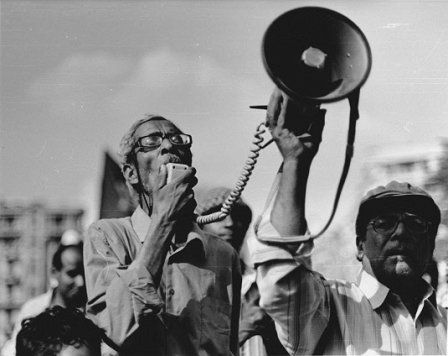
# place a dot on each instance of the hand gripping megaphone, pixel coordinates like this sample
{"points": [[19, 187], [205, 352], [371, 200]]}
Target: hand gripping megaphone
{"points": [[312, 54]]}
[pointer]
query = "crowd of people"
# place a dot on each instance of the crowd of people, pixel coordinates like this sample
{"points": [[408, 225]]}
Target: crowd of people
{"points": [[157, 283]]}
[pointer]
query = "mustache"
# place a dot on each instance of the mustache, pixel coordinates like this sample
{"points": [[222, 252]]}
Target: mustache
{"points": [[171, 158], [401, 250]]}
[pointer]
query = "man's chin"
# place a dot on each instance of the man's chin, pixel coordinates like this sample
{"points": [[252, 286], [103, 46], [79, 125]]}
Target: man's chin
{"points": [[403, 266], [78, 299], [226, 238]]}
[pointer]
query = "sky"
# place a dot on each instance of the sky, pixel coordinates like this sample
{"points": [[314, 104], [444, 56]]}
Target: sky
{"points": [[76, 74]]}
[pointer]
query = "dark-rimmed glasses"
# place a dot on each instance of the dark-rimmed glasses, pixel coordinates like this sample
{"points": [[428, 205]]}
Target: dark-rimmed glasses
{"points": [[154, 141], [387, 224]]}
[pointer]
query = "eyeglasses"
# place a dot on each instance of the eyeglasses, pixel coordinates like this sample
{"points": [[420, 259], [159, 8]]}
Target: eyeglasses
{"points": [[387, 224], [153, 141]]}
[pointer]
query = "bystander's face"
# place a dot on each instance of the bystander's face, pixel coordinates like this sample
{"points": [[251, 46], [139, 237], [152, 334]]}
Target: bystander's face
{"points": [[71, 285], [150, 161], [231, 230], [398, 258]]}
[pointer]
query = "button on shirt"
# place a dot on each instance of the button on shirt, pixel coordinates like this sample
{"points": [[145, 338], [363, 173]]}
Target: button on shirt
{"points": [[194, 310], [314, 315]]}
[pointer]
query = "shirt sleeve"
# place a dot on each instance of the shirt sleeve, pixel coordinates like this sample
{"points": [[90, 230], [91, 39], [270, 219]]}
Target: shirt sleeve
{"points": [[254, 319], [120, 296], [290, 292]]}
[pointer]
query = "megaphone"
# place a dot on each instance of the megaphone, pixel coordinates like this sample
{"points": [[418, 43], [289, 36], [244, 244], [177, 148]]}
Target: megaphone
{"points": [[312, 54], [316, 54]]}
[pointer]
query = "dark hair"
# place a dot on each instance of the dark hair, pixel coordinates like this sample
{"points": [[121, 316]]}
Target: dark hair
{"points": [[49, 332], [57, 257]]}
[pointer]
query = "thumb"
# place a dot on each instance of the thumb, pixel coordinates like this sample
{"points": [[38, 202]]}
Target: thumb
{"points": [[163, 175]]}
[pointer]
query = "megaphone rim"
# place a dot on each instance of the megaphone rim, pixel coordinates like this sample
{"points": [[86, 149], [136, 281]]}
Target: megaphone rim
{"points": [[343, 18]]}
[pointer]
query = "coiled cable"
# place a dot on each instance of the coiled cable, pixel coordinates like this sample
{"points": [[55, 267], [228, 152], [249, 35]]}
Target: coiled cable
{"points": [[353, 99], [242, 180]]}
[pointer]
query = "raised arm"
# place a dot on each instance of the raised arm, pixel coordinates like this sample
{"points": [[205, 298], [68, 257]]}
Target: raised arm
{"points": [[290, 292], [297, 130]]}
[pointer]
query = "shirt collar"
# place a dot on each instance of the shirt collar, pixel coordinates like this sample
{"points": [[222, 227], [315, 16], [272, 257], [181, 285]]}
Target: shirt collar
{"points": [[430, 293], [50, 296], [196, 235], [376, 292], [142, 221]]}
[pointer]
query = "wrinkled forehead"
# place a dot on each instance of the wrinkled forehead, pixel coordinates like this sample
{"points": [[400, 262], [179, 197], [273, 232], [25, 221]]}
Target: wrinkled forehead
{"points": [[155, 126]]}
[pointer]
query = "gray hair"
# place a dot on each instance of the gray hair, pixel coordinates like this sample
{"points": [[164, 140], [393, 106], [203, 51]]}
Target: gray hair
{"points": [[128, 141]]}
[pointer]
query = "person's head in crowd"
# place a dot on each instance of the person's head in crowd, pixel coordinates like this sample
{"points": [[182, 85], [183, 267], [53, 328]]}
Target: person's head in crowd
{"points": [[71, 237], [234, 226], [68, 272], [396, 229], [59, 332], [149, 144]]}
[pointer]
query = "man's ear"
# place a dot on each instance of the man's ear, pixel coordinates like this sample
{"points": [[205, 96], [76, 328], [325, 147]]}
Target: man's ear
{"points": [[54, 277], [360, 246], [54, 272], [130, 173]]}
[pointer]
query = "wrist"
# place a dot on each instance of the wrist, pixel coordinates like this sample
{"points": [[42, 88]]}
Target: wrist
{"points": [[300, 166]]}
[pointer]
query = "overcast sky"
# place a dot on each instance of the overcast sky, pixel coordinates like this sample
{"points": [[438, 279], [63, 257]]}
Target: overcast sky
{"points": [[76, 74]]}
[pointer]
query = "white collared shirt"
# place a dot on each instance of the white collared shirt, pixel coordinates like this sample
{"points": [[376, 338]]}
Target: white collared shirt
{"points": [[318, 316]]}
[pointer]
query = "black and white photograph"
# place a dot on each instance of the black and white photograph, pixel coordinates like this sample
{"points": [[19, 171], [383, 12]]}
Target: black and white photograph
{"points": [[223, 177]]}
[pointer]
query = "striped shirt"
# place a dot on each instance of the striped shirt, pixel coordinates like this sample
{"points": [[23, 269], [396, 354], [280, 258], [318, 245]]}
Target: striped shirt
{"points": [[314, 315]]}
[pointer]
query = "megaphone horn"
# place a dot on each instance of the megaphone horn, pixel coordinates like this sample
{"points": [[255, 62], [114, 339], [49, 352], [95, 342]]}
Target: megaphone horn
{"points": [[316, 54]]}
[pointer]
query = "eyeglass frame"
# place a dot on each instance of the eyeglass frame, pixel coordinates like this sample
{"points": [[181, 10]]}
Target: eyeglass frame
{"points": [[400, 218], [162, 137]]}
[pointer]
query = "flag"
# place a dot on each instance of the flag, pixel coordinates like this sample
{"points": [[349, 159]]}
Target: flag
{"points": [[115, 198]]}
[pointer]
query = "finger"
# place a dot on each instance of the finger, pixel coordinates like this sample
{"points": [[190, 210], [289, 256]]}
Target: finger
{"points": [[286, 111], [163, 173], [191, 202], [273, 108], [192, 180]]}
